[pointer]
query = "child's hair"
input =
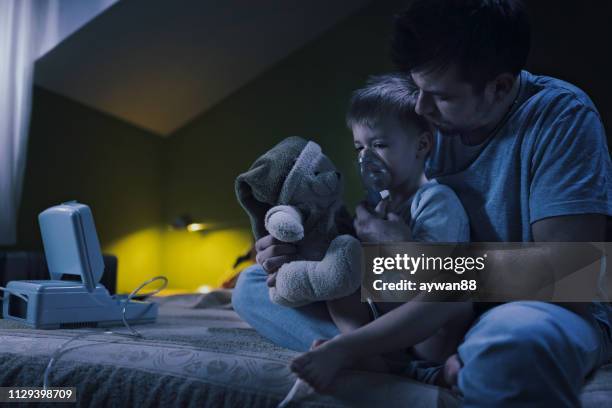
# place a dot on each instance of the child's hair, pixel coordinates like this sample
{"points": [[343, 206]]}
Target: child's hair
{"points": [[389, 95]]}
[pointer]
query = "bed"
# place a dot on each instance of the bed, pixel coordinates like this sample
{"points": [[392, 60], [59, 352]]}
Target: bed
{"points": [[200, 353]]}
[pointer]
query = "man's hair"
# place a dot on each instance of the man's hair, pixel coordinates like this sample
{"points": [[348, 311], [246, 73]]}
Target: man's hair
{"points": [[483, 37], [384, 96]]}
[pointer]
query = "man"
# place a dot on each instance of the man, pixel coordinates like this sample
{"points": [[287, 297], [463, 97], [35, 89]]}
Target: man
{"points": [[527, 156]]}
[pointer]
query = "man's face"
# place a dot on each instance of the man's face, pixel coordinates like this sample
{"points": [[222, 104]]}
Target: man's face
{"points": [[449, 102]]}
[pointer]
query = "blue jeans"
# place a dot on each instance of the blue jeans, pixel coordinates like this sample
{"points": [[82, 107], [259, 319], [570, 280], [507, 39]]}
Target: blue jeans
{"points": [[516, 354]]}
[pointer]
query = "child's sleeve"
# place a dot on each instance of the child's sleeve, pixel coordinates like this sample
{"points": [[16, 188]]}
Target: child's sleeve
{"points": [[439, 216]]}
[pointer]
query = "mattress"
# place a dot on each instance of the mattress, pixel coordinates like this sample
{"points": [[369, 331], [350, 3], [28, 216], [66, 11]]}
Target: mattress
{"points": [[199, 353]]}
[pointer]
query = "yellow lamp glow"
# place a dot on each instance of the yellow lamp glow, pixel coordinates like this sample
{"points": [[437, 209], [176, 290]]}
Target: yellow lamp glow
{"points": [[196, 226]]}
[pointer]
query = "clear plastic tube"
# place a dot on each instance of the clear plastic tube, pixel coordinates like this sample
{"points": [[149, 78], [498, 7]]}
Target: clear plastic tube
{"points": [[292, 393], [133, 331]]}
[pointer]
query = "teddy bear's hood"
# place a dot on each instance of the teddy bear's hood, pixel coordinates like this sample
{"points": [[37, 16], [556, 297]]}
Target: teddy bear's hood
{"points": [[260, 187]]}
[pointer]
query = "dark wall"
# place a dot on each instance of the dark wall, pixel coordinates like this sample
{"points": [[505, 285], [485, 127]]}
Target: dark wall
{"points": [[571, 41], [77, 153]]}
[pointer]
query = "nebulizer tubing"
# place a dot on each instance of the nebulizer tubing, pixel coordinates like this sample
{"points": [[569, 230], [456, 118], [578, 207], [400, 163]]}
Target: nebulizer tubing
{"points": [[376, 178], [133, 332], [292, 393]]}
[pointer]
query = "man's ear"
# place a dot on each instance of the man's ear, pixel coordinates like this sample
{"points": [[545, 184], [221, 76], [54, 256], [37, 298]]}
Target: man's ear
{"points": [[501, 86], [424, 144]]}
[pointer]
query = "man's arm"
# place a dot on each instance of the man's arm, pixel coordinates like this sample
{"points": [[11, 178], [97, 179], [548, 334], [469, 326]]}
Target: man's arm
{"points": [[571, 228], [530, 269], [507, 266]]}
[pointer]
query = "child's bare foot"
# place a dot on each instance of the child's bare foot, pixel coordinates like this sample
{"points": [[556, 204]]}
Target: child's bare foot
{"points": [[319, 366]]}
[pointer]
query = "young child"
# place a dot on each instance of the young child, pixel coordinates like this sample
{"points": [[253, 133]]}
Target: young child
{"points": [[382, 119]]}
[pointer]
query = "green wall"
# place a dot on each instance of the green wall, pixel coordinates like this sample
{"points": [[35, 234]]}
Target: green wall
{"points": [[77, 153]]}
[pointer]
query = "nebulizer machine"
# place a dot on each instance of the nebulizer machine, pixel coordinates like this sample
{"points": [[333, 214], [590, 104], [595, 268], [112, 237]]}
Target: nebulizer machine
{"points": [[376, 179], [72, 248]]}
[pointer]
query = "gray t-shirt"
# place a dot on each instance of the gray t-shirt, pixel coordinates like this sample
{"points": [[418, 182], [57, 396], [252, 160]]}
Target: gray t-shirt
{"points": [[549, 158], [436, 215]]}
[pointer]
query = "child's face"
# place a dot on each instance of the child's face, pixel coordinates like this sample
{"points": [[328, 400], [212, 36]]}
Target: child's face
{"points": [[397, 146]]}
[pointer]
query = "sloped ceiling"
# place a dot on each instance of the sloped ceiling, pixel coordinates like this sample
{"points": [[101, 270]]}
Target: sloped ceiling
{"points": [[159, 63]]}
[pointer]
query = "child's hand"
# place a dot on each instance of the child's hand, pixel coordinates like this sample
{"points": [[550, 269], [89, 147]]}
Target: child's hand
{"points": [[272, 253], [271, 280], [382, 208], [373, 227]]}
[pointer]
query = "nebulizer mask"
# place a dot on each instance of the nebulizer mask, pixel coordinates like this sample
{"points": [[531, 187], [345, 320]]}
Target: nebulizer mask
{"points": [[375, 176]]}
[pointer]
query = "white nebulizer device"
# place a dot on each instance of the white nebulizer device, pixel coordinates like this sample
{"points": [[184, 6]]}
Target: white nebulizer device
{"points": [[71, 248]]}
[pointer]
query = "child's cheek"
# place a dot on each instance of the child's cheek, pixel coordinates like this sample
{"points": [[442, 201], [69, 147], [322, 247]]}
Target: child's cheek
{"points": [[386, 159], [395, 177], [400, 171]]}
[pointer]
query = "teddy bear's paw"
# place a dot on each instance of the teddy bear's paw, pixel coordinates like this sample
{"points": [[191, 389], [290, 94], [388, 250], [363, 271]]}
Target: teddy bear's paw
{"points": [[284, 223], [292, 287], [338, 274], [275, 297]]}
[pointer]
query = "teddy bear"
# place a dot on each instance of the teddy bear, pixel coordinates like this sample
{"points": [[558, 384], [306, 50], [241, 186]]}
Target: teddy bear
{"points": [[294, 193]]}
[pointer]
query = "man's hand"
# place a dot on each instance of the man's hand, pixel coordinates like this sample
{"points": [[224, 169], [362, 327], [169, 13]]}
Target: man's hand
{"points": [[272, 254], [380, 226]]}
